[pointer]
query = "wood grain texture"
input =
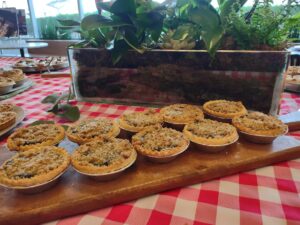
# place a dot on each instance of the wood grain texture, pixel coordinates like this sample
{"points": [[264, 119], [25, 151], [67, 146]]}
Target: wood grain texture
{"points": [[77, 194]]}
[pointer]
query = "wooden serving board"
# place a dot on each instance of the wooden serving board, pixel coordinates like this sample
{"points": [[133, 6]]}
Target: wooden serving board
{"points": [[77, 194]]}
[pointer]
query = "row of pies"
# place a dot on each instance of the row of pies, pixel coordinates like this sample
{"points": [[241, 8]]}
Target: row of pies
{"points": [[100, 152], [57, 62]]}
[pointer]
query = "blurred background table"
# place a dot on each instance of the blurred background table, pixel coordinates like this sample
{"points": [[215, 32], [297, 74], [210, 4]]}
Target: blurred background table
{"points": [[21, 44], [269, 195]]}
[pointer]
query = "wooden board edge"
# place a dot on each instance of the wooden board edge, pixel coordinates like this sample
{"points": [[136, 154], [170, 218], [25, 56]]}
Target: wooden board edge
{"points": [[46, 214]]}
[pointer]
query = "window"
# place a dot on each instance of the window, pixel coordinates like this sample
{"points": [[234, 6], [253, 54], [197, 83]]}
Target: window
{"points": [[89, 7], [47, 13]]}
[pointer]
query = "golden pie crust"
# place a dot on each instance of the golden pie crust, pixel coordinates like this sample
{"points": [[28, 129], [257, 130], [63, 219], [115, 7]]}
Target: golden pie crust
{"points": [[27, 138], [103, 156], [14, 74], [258, 123], [5, 81], [33, 167], [91, 129], [210, 132], [6, 107], [137, 121], [157, 141], [181, 113], [7, 119], [224, 109]]}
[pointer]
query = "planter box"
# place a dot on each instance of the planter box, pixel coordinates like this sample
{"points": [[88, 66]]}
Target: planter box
{"points": [[160, 77]]}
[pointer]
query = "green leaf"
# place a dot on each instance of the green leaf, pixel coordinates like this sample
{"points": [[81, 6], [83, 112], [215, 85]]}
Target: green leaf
{"points": [[50, 99], [221, 2], [123, 7], [65, 127], [68, 23], [211, 28], [104, 5], [69, 112], [54, 108], [228, 6], [181, 33], [155, 31], [131, 39], [120, 48], [97, 21], [38, 122]]}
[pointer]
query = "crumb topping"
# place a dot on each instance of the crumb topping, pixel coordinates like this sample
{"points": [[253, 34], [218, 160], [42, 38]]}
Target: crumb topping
{"points": [[92, 128], [14, 74], [159, 139], [32, 163], [5, 81], [103, 153], [258, 121], [182, 112], [6, 116], [225, 106], [143, 119], [6, 107], [210, 129], [35, 134], [40, 63]]}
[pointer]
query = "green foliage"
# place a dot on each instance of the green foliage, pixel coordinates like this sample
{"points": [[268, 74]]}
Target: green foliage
{"points": [[57, 28], [264, 29], [208, 21], [130, 25], [184, 24], [61, 107]]}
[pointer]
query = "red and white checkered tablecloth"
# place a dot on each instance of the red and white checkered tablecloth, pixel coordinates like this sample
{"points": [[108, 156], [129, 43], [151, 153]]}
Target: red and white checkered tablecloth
{"points": [[269, 195]]}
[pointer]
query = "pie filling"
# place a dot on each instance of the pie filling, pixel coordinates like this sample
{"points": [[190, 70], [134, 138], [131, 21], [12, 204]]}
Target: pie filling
{"points": [[35, 134], [257, 121], [6, 107], [225, 106], [142, 119], [160, 139], [104, 153], [182, 112], [210, 129], [92, 128], [56, 61], [32, 163], [6, 116], [15, 74]]}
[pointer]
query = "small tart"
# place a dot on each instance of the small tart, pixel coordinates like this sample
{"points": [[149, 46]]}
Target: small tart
{"points": [[5, 81], [34, 136], [137, 121], [157, 141], [224, 109], [103, 156], [91, 129], [6, 107], [33, 167], [7, 119], [210, 132], [258, 123], [15, 74], [181, 113]]}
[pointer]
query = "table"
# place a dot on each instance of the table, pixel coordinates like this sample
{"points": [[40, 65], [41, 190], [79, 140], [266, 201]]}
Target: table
{"points": [[269, 195], [21, 44]]}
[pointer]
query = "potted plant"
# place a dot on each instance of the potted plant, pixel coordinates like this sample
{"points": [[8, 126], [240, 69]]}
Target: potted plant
{"points": [[144, 52]]}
